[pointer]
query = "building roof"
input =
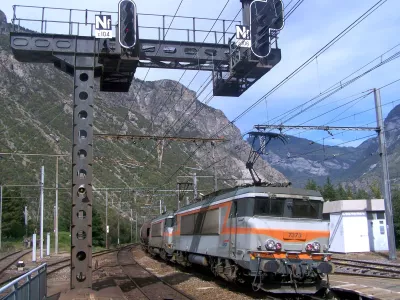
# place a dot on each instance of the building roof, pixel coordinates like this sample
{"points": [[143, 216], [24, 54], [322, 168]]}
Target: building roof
{"points": [[353, 205], [163, 216]]}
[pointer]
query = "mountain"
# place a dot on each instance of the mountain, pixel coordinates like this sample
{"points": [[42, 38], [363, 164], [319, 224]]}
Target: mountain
{"points": [[301, 159], [369, 168], [36, 117]]}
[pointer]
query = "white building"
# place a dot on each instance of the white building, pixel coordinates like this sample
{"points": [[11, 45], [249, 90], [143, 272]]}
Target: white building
{"points": [[356, 225]]}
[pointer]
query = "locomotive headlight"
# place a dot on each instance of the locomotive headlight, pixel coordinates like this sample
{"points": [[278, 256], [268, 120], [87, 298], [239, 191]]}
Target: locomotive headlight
{"points": [[270, 245], [316, 246], [278, 246]]}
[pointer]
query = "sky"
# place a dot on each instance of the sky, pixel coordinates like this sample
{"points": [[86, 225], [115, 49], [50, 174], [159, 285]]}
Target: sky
{"points": [[306, 31]]}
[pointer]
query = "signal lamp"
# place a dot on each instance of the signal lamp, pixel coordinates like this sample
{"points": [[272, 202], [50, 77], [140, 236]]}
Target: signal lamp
{"points": [[127, 18]]}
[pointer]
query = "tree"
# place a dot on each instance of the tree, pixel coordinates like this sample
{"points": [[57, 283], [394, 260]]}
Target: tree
{"points": [[341, 193], [396, 215], [311, 185], [349, 194], [13, 220], [375, 190], [361, 194], [328, 191], [97, 229]]}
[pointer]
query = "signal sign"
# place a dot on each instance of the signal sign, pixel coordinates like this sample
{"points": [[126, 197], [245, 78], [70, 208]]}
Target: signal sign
{"points": [[265, 16], [127, 23], [103, 27], [242, 36]]}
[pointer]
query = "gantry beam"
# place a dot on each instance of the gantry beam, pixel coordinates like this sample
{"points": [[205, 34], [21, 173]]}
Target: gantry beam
{"points": [[326, 128], [156, 137]]}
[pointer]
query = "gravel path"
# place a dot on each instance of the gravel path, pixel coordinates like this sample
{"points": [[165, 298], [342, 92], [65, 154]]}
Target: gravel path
{"points": [[198, 285]]}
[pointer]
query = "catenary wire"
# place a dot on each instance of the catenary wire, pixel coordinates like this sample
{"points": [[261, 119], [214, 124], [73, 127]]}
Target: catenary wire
{"points": [[332, 42], [353, 80], [196, 112], [166, 132], [339, 83], [148, 70], [341, 132]]}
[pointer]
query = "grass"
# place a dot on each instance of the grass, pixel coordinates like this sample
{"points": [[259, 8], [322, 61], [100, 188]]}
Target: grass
{"points": [[64, 244]]}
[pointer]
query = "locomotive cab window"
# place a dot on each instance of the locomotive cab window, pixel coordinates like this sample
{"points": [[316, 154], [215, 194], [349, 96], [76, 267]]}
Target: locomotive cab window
{"points": [[168, 222], [242, 208], [306, 209], [269, 207], [232, 213], [245, 207]]}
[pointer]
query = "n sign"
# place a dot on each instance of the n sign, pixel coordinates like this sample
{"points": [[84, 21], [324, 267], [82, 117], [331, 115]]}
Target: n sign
{"points": [[103, 27], [242, 36]]}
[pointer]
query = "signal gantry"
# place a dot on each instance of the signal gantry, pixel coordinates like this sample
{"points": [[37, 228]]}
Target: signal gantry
{"points": [[236, 64]]}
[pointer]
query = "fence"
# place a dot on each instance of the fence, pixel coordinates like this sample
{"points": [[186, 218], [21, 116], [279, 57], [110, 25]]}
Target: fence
{"points": [[30, 286], [156, 27]]}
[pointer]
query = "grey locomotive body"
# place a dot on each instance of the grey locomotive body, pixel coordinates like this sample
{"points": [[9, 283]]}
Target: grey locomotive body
{"points": [[271, 236]]}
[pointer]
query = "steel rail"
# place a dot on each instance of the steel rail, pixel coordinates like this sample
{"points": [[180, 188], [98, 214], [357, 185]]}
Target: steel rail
{"points": [[367, 262], [361, 268], [152, 274], [99, 253], [24, 252]]}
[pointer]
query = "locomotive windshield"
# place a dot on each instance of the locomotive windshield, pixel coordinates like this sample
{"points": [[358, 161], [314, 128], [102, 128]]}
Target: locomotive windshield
{"points": [[168, 222], [306, 209], [289, 208], [269, 207]]}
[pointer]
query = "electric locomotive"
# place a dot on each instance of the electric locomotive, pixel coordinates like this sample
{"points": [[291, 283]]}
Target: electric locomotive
{"points": [[144, 235], [272, 237], [160, 236]]}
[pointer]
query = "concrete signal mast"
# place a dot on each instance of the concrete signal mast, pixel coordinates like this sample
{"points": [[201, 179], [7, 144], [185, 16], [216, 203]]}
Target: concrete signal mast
{"points": [[236, 64]]}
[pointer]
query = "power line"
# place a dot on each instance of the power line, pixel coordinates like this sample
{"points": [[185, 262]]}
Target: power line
{"points": [[148, 70], [318, 53], [175, 122], [30, 118], [201, 108], [162, 122], [337, 84], [385, 104], [322, 50]]}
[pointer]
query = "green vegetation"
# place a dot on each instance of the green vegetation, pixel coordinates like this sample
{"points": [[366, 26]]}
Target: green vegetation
{"points": [[332, 193], [14, 230]]}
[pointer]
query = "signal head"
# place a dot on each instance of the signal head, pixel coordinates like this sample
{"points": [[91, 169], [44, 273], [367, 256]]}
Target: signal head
{"points": [[264, 16], [127, 19]]}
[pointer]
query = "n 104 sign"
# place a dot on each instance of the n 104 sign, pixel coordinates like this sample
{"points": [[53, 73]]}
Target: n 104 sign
{"points": [[103, 27], [243, 36]]}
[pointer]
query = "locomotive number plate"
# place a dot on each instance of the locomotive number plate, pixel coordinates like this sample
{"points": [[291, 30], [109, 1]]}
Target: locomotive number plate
{"points": [[292, 235]]}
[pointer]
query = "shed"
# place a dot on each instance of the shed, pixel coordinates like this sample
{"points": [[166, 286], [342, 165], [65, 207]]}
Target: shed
{"points": [[356, 225]]}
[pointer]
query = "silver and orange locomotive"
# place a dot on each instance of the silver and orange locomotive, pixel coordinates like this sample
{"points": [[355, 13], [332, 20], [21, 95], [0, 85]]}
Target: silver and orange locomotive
{"points": [[273, 237]]}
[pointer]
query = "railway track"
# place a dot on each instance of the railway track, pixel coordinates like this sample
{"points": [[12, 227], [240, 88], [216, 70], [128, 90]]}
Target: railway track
{"points": [[366, 268], [150, 285], [51, 267], [7, 261]]}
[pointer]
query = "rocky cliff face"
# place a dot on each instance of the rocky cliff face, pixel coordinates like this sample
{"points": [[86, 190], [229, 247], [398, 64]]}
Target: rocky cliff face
{"points": [[368, 167], [4, 26], [36, 118], [301, 159]]}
